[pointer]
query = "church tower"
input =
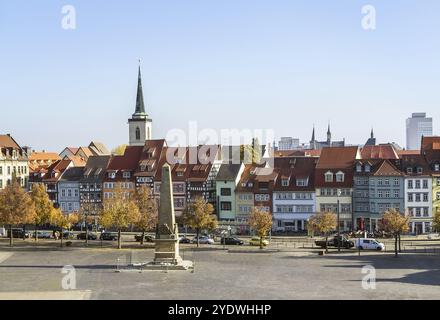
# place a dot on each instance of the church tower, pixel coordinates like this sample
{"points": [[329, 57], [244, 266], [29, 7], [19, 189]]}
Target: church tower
{"points": [[140, 124]]}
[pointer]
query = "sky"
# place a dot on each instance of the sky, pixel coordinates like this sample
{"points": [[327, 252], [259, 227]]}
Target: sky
{"points": [[284, 65]]}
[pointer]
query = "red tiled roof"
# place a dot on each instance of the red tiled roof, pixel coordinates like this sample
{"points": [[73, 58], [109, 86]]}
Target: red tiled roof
{"points": [[337, 157], [295, 168], [386, 168], [7, 142], [382, 151]]}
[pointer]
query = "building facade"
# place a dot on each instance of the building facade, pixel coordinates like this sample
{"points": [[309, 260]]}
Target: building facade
{"points": [[68, 190], [334, 183], [227, 180], [378, 187], [14, 161]]}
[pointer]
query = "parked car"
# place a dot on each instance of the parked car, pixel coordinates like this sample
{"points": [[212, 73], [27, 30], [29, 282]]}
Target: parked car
{"points": [[184, 239], [232, 241], [203, 240], [255, 241], [336, 241], [82, 236], [68, 235], [369, 244], [43, 234], [19, 233], [147, 238], [110, 236]]}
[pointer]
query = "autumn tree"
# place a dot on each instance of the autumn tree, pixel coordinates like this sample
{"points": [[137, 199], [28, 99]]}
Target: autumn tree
{"points": [[64, 222], [148, 215], [44, 209], [394, 223], [119, 150], [436, 221], [199, 216], [323, 222], [261, 222], [120, 211], [16, 207], [86, 216]]}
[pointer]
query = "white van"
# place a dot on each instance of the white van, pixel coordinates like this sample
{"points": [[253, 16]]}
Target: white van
{"points": [[369, 244]]}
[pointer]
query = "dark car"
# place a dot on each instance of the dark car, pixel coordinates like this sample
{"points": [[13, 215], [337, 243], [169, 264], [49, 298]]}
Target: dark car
{"points": [[184, 239], [147, 238], [18, 233], [111, 236], [82, 236], [337, 241], [232, 241], [68, 235]]}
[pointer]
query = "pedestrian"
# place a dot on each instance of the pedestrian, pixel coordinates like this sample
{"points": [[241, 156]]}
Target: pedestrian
{"points": [[57, 235]]}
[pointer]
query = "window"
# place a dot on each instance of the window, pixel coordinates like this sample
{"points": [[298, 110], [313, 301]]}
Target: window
{"points": [[179, 202], [138, 134], [380, 182], [396, 194], [396, 181], [425, 184], [418, 212], [69, 192], [410, 197], [387, 194], [225, 191], [419, 170], [409, 170], [1, 184], [417, 184], [340, 177], [425, 212], [9, 170], [329, 177], [301, 183], [425, 197], [358, 167], [387, 181], [126, 175], [438, 195], [367, 168], [437, 167], [112, 175], [285, 182], [417, 197], [380, 194], [410, 184], [1, 170]]}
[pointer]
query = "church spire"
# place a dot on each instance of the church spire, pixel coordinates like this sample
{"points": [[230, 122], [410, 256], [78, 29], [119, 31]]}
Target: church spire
{"points": [[329, 134], [372, 133], [313, 134], [140, 106]]}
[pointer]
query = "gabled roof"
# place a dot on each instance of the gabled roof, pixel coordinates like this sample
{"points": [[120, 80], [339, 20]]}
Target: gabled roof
{"points": [[430, 143], [382, 151], [72, 174], [129, 161], [413, 162], [228, 172], [98, 148], [44, 156], [385, 168], [6, 141], [338, 157], [295, 168]]}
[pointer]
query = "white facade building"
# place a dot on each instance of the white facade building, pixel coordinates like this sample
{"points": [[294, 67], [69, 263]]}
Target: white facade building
{"points": [[417, 126], [288, 143], [418, 203]]}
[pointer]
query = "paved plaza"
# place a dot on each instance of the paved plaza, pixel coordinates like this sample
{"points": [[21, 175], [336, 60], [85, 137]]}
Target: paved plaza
{"points": [[239, 273]]}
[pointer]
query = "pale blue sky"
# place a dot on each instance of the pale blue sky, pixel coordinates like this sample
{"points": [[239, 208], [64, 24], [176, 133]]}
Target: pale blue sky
{"points": [[280, 64]]}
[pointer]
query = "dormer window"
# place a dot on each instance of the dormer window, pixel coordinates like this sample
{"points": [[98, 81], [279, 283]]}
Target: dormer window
{"points": [[367, 168], [285, 182], [250, 184], [126, 175], [340, 177], [419, 170], [112, 175], [358, 167], [329, 177], [409, 170], [437, 167], [302, 182]]}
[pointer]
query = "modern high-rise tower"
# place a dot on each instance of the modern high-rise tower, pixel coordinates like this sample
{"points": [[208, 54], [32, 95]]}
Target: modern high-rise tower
{"points": [[417, 126]]}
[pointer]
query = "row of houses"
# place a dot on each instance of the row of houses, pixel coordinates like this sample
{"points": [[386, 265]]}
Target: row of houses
{"points": [[359, 183]]}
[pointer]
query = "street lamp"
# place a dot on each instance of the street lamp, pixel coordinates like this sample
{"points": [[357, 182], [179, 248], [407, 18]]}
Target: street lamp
{"points": [[338, 194]]}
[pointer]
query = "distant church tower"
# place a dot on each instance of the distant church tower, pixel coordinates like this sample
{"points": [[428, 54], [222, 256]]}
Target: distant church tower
{"points": [[140, 125]]}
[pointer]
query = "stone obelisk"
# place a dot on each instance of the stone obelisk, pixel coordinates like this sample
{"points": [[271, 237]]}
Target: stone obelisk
{"points": [[167, 240]]}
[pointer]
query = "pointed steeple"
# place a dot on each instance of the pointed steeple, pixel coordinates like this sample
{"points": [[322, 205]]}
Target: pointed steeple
{"points": [[329, 135], [313, 134], [372, 133], [140, 106]]}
